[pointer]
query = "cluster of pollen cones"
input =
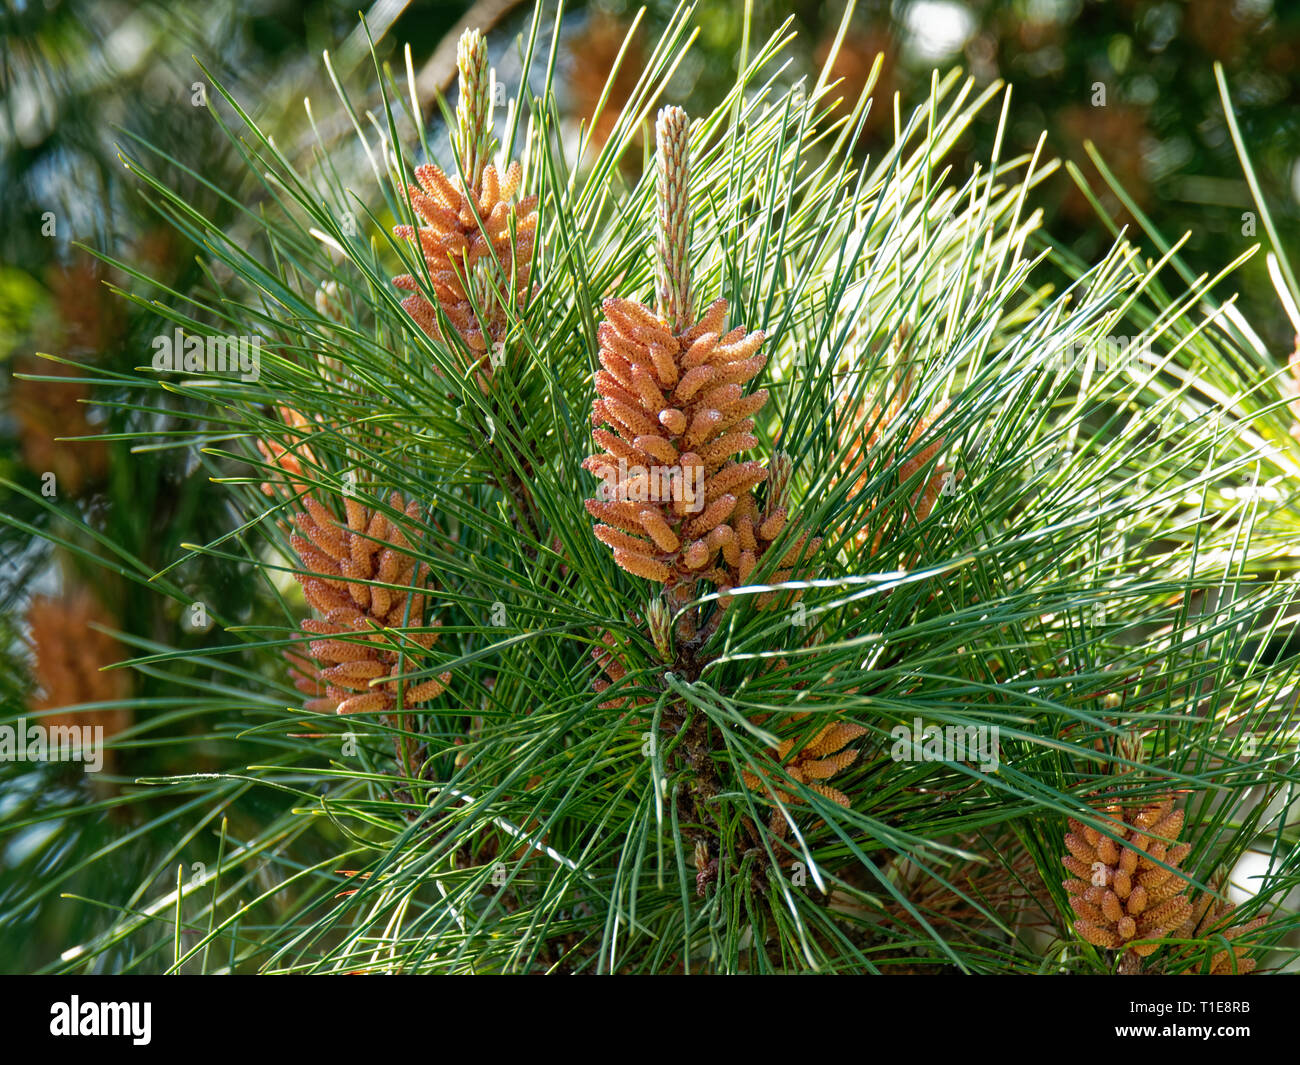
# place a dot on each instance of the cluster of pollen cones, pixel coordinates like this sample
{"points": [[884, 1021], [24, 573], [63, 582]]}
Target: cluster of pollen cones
{"points": [[1128, 893], [1120, 892], [358, 643], [478, 246], [671, 414], [814, 762], [477, 240]]}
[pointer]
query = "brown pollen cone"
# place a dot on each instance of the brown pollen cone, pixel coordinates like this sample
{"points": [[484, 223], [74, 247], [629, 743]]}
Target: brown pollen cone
{"points": [[606, 656], [355, 647], [288, 454], [817, 760], [593, 51], [671, 415], [851, 69], [476, 241], [48, 415], [1211, 920], [1120, 895], [495, 259], [757, 530]]}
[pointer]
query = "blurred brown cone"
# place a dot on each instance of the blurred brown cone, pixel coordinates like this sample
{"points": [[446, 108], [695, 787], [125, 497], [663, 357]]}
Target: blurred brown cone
{"points": [[70, 657], [593, 51], [48, 410], [851, 70]]}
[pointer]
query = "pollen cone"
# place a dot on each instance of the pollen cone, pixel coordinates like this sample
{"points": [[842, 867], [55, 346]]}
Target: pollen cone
{"points": [[287, 454], [476, 239], [820, 758], [355, 644], [1120, 892], [1212, 921], [875, 422], [672, 416], [468, 265]]}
